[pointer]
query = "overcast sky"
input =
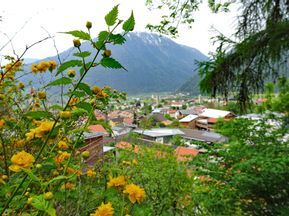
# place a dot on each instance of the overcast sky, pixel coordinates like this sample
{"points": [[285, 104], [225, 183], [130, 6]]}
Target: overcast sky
{"points": [[27, 21]]}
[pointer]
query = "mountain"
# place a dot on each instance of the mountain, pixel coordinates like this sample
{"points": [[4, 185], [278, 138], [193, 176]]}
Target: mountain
{"points": [[153, 63], [191, 86]]}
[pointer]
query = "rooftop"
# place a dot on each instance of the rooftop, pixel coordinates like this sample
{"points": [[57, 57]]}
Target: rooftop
{"points": [[159, 132], [189, 118], [214, 113]]}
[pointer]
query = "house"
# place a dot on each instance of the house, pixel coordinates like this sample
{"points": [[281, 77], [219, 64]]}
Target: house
{"points": [[210, 116], [176, 104], [189, 121], [161, 135], [185, 154], [98, 129], [203, 136], [94, 145], [160, 118], [120, 130]]}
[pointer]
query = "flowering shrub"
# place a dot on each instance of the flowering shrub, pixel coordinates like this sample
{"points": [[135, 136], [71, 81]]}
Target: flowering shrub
{"points": [[41, 171]]}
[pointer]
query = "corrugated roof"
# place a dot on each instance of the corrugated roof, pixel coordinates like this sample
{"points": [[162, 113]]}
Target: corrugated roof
{"points": [[159, 132], [205, 136], [214, 113], [189, 118]]}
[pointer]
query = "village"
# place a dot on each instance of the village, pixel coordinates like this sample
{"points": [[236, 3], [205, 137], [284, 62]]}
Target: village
{"points": [[180, 121]]}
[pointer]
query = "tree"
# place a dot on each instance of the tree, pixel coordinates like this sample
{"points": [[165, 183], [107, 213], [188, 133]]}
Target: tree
{"points": [[257, 52]]}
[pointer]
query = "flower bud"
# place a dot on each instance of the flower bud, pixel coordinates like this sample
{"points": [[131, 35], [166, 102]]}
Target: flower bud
{"points": [[71, 73], [65, 114], [88, 25], [85, 154], [76, 43], [29, 200], [107, 53], [48, 195]]}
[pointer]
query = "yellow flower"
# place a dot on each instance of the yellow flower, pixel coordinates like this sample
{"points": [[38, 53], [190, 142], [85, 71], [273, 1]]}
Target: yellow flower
{"points": [[62, 145], [48, 195], [19, 143], [65, 114], [2, 123], [91, 173], [61, 157], [42, 95], [21, 160], [29, 200], [116, 182], [73, 171], [104, 210], [73, 101], [68, 186], [135, 193]]}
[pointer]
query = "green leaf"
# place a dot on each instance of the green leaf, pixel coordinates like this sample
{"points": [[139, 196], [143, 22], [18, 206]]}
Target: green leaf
{"points": [[32, 176], [111, 17], [129, 24], [117, 39], [82, 54], [110, 63], [80, 34], [39, 114], [86, 106], [39, 202], [85, 87], [60, 81], [103, 36], [68, 64], [43, 205], [58, 178], [56, 107], [78, 94]]}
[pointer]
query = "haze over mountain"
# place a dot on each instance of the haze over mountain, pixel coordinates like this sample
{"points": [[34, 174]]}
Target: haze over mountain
{"points": [[153, 63]]}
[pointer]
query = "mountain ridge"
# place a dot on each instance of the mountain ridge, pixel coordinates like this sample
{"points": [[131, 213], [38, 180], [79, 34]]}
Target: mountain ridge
{"points": [[153, 63]]}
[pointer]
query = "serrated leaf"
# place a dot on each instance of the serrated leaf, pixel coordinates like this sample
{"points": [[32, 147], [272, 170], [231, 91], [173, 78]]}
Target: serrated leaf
{"points": [[110, 63], [56, 107], [58, 178], [32, 176], [78, 94], [129, 24], [86, 106], [60, 81], [80, 34], [85, 88], [82, 54], [117, 39], [68, 64], [39, 114], [103, 35], [111, 17]]}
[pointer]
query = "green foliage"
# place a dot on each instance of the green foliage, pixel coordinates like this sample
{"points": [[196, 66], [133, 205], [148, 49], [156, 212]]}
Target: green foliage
{"points": [[111, 63], [111, 17], [60, 81], [79, 34], [250, 174], [68, 64], [129, 24]]}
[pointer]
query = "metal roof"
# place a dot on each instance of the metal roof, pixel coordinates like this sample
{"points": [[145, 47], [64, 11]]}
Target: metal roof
{"points": [[159, 132], [214, 113], [189, 118]]}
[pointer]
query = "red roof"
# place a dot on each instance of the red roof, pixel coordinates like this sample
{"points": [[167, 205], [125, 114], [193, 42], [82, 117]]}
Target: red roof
{"points": [[184, 153], [97, 128]]}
